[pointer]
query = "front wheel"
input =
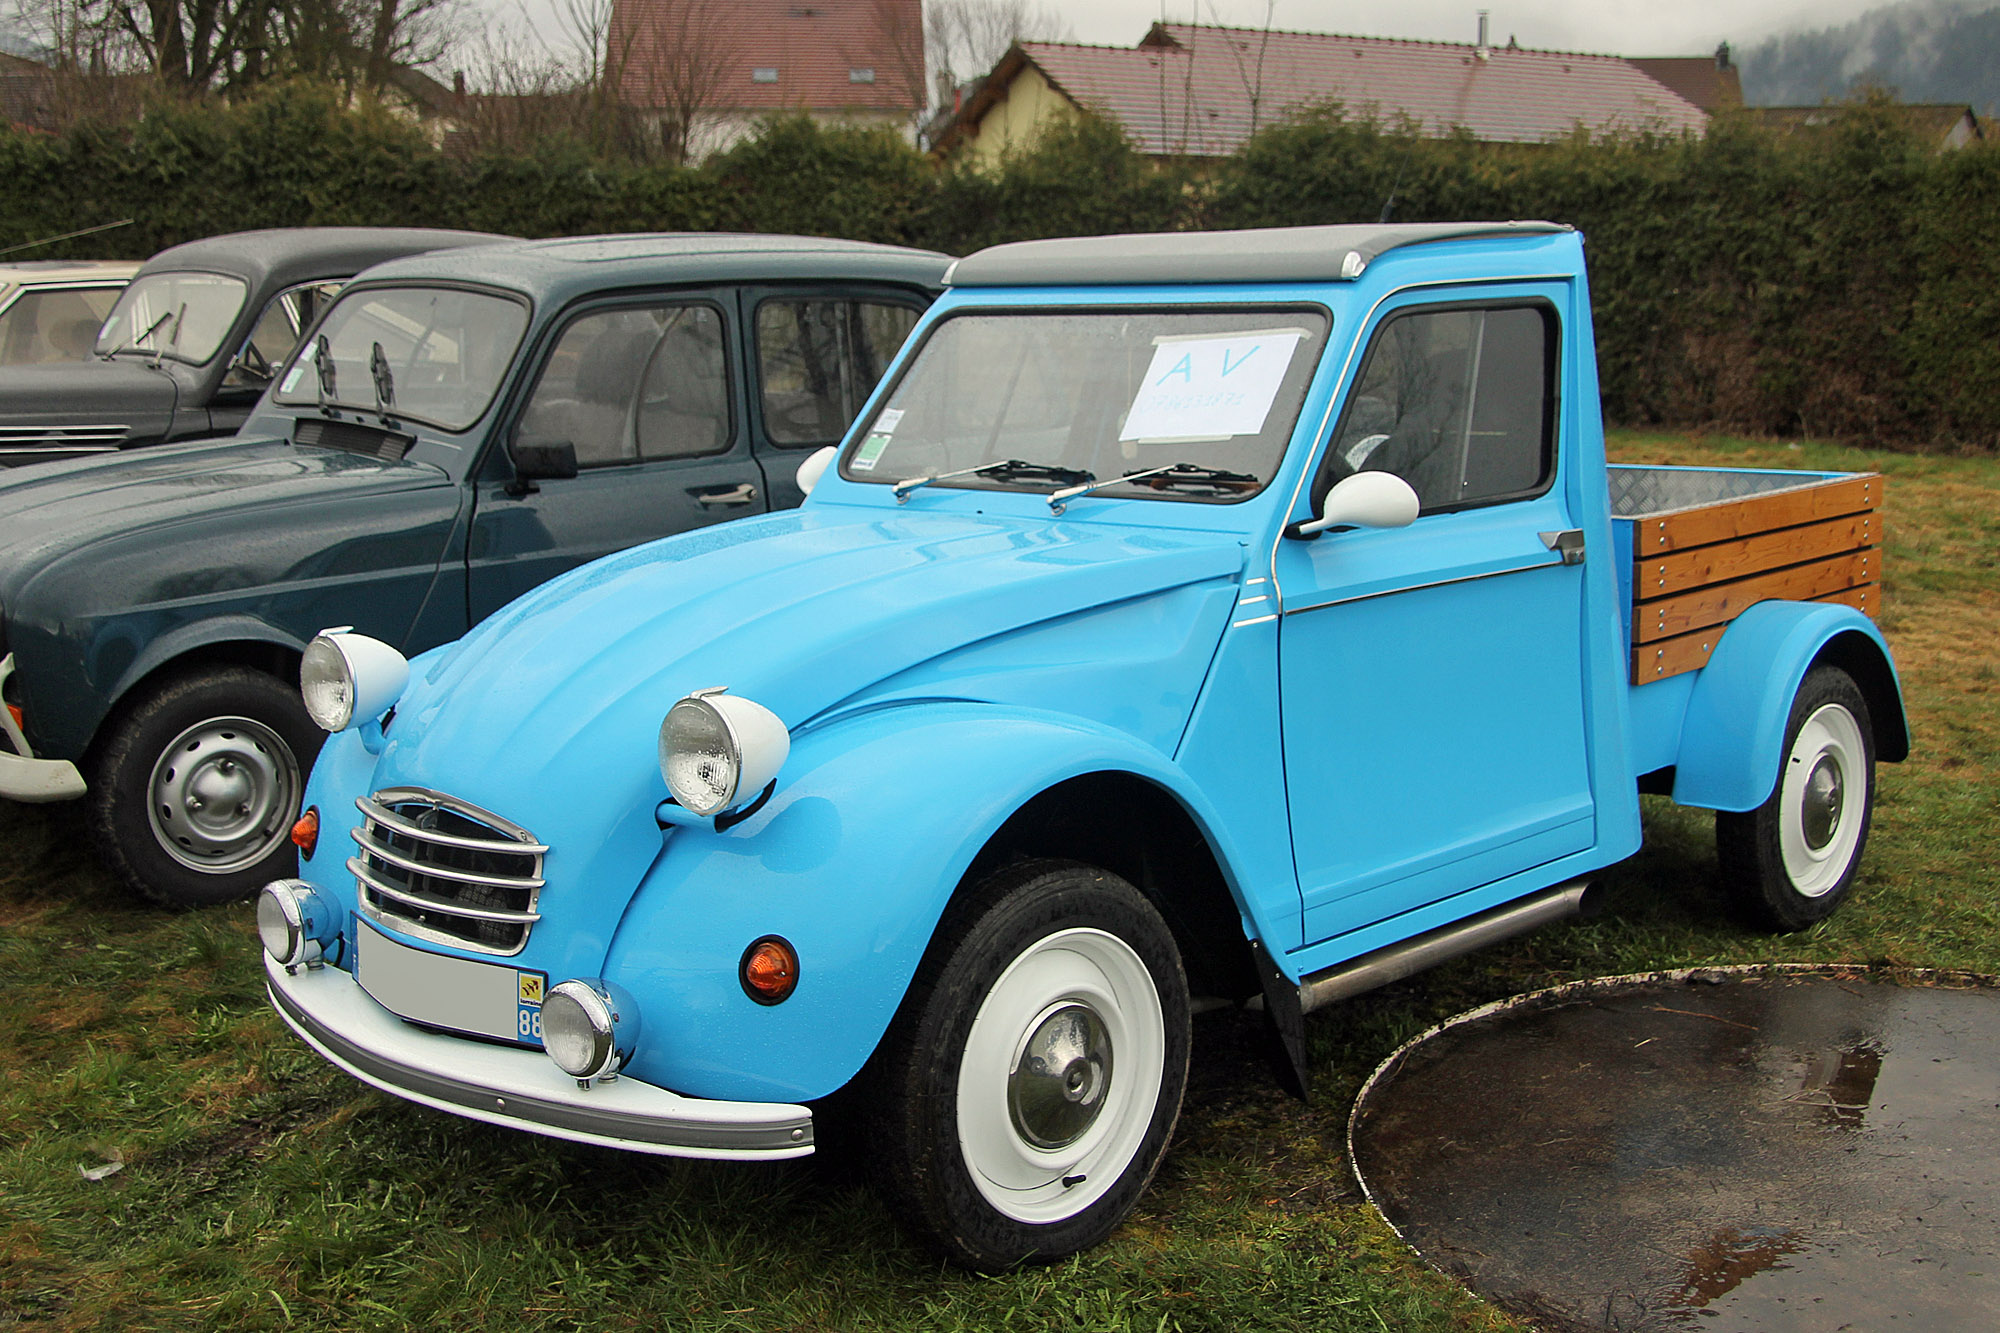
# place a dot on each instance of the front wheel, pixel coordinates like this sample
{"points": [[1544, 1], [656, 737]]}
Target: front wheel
{"points": [[1030, 1084], [1791, 861], [197, 784]]}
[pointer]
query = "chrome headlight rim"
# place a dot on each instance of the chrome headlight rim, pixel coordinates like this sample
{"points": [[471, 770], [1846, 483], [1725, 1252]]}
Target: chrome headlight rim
{"points": [[295, 923], [610, 1022]]}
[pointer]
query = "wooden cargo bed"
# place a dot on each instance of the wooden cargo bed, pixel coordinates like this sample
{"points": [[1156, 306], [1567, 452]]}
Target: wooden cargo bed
{"points": [[1706, 543]]}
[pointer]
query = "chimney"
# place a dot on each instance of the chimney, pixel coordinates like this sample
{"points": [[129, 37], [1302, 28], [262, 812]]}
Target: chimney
{"points": [[1722, 56], [1484, 51]]}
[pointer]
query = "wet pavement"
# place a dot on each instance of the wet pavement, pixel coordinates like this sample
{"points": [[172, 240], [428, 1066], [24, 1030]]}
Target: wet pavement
{"points": [[1728, 1151]]}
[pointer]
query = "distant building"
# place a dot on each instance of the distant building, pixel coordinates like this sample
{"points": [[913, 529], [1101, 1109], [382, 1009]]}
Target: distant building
{"points": [[706, 71], [1949, 125], [1711, 83], [1190, 90]]}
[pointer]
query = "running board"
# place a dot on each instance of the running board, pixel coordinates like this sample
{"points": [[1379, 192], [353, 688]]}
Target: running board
{"points": [[1412, 956]]}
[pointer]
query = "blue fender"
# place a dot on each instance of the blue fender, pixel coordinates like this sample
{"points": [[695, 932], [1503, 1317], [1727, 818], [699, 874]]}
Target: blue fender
{"points": [[1734, 729], [876, 819]]}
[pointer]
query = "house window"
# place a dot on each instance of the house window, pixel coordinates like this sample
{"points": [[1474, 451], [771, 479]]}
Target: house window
{"points": [[862, 75], [764, 74]]}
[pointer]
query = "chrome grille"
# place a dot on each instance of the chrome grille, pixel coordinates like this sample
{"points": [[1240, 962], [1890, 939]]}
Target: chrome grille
{"points": [[66, 439], [436, 868]]}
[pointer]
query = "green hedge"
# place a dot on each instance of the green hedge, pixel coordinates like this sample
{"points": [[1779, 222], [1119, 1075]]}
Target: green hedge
{"points": [[1844, 283]]}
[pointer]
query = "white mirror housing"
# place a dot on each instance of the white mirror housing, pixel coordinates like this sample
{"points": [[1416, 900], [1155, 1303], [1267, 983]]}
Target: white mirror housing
{"points": [[1366, 500], [815, 467]]}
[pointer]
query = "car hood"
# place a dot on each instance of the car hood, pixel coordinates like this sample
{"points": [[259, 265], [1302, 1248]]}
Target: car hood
{"points": [[82, 393], [802, 612], [51, 511]]}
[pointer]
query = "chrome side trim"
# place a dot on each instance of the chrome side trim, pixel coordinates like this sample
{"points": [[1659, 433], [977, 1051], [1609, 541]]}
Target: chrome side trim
{"points": [[89, 439], [1419, 587], [519, 1088]]}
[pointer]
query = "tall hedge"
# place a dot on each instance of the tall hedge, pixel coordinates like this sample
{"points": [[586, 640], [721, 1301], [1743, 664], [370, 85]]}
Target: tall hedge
{"points": [[1844, 282]]}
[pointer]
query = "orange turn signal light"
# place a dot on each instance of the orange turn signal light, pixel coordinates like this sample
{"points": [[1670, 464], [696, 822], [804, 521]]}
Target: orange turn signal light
{"points": [[15, 709], [770, 970], [305, 833]]}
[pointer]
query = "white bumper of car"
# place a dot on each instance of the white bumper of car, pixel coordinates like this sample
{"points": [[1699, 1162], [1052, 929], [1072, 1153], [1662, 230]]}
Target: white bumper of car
{"points": [[522, 1088], [24, 777]]}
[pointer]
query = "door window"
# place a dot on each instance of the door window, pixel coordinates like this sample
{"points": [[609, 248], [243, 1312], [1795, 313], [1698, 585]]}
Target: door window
{"points": [[818, 360], [635, 383], [1459, 403], [276, 333]]}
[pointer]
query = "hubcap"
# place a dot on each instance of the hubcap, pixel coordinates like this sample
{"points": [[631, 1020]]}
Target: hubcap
{"points": [[1057, 1088], [222, 794], [1821, 813]]}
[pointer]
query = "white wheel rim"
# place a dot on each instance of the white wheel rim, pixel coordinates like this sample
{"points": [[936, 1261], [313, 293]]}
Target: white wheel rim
{"points": [[1823, 798], [1051, 981]]}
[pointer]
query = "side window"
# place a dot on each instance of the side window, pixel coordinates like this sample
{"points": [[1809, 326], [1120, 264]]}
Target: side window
{"points": [[634, 383], [56, 325], [1459, 403], [276, 333], [818, 360]]}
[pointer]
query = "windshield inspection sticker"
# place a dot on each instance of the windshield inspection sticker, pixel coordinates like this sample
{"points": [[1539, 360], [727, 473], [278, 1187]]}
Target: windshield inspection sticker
{"points": [[1210, 388], [878, 439], [292, 378]]}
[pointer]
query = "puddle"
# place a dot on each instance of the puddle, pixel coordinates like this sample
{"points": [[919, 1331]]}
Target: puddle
{"points": [[1726, 1151]]}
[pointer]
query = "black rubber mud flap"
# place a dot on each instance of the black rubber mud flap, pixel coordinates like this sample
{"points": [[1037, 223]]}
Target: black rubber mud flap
{"points": [[1284, 1026]]}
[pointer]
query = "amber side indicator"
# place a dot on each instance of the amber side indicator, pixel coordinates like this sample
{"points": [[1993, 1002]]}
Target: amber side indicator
{"points": [[305, 833], [15, 709], [770, 970]]}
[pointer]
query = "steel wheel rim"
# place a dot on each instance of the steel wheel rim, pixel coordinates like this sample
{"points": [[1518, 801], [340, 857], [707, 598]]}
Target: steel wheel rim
{"points": [[1821, 801], [1073, 976], [220, 796]]}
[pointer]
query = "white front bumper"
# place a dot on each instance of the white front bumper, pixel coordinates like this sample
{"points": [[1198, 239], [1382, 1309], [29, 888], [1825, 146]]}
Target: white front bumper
{"points": [[521, 1088], [24, 777]]}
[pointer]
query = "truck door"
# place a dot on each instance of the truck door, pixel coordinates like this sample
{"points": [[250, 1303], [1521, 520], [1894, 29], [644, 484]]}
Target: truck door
{"points": [[1432, 676], [650, 395]]}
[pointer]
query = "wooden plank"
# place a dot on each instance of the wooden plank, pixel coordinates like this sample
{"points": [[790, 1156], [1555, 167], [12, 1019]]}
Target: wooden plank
{"points": [[1664, 576], [1668, 616], [1690, 652], [1728, 520]]}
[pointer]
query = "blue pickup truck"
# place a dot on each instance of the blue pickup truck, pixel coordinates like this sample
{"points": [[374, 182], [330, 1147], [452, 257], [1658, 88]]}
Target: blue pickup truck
{"points": [[1244, 615]]}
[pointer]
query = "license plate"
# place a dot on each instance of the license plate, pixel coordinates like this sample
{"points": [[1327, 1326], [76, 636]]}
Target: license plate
{"points": [[485, 999]]}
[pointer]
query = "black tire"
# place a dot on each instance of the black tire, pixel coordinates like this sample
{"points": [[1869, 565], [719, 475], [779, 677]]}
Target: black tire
{"points": [[1073, 960], [196, 786], [1790, 862]]}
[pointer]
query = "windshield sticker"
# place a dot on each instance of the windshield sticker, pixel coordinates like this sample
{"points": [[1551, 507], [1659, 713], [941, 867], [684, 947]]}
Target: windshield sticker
{"points": [[1210, 388], [870, 452], [292, 378]]}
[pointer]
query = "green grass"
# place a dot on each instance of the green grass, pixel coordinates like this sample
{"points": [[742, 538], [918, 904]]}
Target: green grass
{"points": [[263, 1189]]}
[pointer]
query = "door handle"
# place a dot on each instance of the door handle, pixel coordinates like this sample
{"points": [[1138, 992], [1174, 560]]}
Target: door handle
{"points": [[741, 494], [1568, 544]]}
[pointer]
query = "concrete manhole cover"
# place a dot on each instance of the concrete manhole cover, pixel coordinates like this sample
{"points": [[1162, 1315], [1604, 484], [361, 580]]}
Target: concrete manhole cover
{"points": [[1723, 1150]]}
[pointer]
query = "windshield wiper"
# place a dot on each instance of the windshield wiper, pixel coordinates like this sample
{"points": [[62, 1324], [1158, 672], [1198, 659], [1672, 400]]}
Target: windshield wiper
{"points": [[132, 342], [385, 380], [1172, 474], [323, 369], [1006, 467]]}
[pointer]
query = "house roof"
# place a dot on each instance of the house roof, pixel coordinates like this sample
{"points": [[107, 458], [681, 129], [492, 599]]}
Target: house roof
{"points": [[1710, 82], [1948, 121], [1187, 89], [776, 55]]}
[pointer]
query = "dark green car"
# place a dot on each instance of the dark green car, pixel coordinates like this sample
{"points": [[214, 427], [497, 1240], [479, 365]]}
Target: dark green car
{"points": [[458, 427]]}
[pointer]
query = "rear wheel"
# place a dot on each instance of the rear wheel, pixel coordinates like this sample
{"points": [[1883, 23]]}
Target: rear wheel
{"points": [[196, 787], [1029, 1086], [1791, 861]]}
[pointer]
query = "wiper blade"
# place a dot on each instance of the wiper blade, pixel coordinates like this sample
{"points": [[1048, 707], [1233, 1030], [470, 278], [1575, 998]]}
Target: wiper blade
{"points": [[136, 339], [1171, 474], [1006, 467]]}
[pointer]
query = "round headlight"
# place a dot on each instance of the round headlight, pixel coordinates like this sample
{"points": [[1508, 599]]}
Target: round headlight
{"points": [[717, 750], [295, 923], [589, 1028], [346, 677]]}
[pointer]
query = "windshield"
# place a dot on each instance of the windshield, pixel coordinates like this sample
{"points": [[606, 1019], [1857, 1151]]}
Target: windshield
{"points": [[431, 354], [1071, 397], [184, 316]]}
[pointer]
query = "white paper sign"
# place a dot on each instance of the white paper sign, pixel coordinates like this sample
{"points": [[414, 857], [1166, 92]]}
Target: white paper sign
{"points": [[1210, 388]]}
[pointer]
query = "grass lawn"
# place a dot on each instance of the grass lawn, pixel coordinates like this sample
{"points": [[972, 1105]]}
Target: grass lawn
{"points": [[263, 1189]]}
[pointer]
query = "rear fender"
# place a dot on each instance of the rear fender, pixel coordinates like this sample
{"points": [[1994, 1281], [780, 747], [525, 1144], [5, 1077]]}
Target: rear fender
{"points": [[1735, 722], [875, 821]]}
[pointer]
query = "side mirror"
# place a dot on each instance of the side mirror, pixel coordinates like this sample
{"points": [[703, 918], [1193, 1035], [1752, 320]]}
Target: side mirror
{"points": [[1365, 500], [541, 462], [815, 467]]}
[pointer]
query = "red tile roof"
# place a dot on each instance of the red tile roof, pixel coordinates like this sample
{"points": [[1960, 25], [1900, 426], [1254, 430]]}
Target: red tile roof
{"points": [[1187, 89], [1710, 82], [817, 49]]}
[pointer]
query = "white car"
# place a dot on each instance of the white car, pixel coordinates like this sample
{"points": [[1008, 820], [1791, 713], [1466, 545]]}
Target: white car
{"points": [[50, 310]]}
